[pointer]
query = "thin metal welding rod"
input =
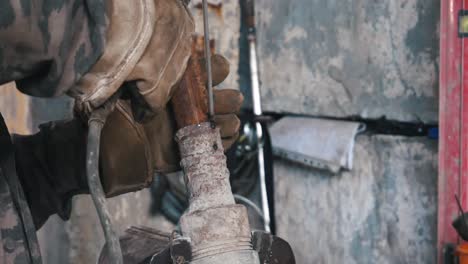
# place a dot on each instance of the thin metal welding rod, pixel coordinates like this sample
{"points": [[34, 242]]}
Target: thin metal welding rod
{"points": [[209, 84]]}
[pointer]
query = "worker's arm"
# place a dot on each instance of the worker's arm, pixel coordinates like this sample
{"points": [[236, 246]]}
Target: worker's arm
{"points": [[38, 52], [47, 46], [51, 168], [88, 49], [51, 164]]}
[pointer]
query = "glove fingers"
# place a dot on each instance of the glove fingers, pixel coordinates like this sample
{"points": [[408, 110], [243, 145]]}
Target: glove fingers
{"points": [[219, 67], [141, 111], [227, 101], [160, 132], [228, 142], [228, 124], [125, 160]]}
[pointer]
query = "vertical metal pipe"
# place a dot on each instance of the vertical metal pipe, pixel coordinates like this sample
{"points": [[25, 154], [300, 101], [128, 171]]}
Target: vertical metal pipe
{"points": [[256, 99], [262, 178], [257, 109], [248, 13]]}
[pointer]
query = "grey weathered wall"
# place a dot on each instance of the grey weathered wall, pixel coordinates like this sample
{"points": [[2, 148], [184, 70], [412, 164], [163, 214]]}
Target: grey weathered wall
{"points": [[352, 57], [356, 58], [383, 211]]}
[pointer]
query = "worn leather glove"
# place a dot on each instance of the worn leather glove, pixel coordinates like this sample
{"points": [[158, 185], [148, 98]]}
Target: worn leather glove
{"points": [[148, 45], [131, 152]]}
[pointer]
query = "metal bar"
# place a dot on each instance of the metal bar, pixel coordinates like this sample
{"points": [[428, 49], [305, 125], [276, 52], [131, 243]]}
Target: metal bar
{"points": [[262, 178], [256, 99], [97, 192], [209, 84], [95, 124], [257, 109]]}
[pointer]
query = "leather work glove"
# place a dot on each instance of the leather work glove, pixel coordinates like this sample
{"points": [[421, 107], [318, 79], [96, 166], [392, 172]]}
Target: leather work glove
{"points": [[148, 44], [132, 152]]}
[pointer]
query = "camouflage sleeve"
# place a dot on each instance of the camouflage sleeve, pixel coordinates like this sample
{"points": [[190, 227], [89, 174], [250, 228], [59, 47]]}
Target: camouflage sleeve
{"points": [[51, 168], [47, 45]]}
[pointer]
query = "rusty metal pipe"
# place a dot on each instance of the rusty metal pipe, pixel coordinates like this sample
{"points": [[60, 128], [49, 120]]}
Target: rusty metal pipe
{"points": [[218, 229]]}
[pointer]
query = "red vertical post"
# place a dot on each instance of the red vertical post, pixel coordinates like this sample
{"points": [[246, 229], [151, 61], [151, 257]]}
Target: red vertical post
{"points": [[452, 145], [464, 121]]}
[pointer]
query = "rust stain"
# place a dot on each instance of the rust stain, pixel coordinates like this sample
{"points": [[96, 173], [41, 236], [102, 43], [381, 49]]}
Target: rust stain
{"points": [[15, 108], [199, 45], [215, 8]]}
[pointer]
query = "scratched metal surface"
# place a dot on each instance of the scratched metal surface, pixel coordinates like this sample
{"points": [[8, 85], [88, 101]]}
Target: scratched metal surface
{"points": [[383, 211], [352, 57]]}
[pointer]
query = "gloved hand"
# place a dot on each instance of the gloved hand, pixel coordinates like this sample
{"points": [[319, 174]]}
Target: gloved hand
{"points": [[131, 152], [148, 45]]}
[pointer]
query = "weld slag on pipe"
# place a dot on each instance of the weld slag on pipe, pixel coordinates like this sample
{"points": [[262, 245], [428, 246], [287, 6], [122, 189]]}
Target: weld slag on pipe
{"points": [[204, 167], [218, 228]]}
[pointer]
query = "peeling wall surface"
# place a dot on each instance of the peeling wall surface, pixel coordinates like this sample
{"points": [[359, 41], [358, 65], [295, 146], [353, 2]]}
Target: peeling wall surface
{"points": [[353, 57], [383, 211], [361, 58]]}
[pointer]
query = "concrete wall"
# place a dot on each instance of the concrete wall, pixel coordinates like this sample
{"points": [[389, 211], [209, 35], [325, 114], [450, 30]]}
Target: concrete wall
{"points": [[352, 57], [361, 58], [383, 211]]}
